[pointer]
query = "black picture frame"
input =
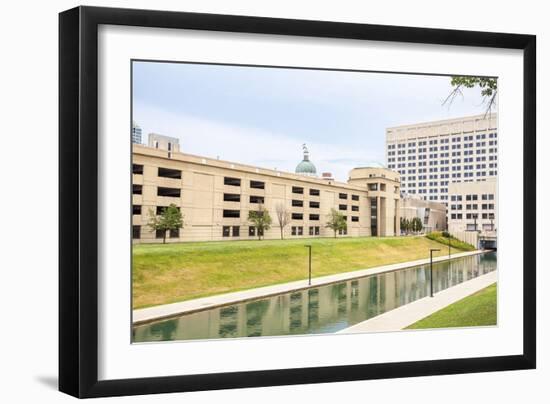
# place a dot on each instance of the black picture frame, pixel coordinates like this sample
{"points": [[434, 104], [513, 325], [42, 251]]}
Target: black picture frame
{"points": [[78, 200]]}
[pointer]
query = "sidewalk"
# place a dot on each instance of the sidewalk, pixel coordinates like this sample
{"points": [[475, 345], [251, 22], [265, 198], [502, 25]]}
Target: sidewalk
{"points": [[401, 317], [155, 313]]}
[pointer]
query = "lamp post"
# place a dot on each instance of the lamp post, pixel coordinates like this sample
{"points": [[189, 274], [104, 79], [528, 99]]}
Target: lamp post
{"points": [[431, 271], [309, 248]]}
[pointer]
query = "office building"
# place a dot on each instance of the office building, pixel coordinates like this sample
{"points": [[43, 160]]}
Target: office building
{"points": [[430, 156], [136, 133], [472, 207]]}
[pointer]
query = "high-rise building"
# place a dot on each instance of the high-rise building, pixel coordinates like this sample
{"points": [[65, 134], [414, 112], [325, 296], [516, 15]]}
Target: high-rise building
{"points": [[429, 156], [136, 133], [168, 143]]}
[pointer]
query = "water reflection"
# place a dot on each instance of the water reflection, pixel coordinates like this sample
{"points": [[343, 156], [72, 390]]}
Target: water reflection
{"points": [[324, 309]]}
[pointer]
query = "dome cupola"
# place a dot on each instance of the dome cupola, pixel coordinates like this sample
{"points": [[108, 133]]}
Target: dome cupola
{"points": [[306, 167]]}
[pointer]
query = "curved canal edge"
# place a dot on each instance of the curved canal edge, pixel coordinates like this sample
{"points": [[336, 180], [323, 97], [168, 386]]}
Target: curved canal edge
{"points": [[166, 311], [403, 316]]}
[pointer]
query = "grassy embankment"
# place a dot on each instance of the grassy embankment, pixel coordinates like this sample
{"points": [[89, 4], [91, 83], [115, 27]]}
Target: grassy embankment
{"points": [[456, 243], [174, 272], [475, 310]]}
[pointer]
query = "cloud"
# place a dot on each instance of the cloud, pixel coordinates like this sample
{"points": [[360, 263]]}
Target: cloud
{"points": [[248, 145]]}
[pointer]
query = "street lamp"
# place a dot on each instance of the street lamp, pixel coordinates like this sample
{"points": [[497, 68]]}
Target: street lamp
{"points": [[431, 271], [309, 248]]}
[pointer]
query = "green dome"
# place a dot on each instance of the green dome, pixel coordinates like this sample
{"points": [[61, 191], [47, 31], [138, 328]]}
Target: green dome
{"points": [[306, 167]]}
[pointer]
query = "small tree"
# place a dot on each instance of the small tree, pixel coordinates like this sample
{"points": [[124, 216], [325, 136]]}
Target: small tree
{"points": [[170, 219], [260, 219], [336, 221], [416, 224], [283, 217], [403, 225]]}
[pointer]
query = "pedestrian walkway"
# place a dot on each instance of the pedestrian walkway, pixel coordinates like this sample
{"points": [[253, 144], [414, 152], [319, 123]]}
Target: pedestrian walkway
{"points": [[155, 313], [401, 317]]}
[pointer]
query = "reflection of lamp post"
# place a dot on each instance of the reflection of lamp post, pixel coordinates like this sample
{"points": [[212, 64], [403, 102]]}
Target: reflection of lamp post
{"points": [[449, 239], [309, 247], [431, 271]]}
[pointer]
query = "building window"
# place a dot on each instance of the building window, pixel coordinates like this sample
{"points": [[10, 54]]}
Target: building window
{"points": [[317, 230], [174, 233], [251, 231], [311, 230], [373, 187], [297, 203], [355, 218], [137, 169], [297, 190], [355, 197], [343, 196], [297, 216], [136, 210], [257, 184], [226, 231], [136, 232], [313, 217], [343, 232], [169, 173], [343, 207], [314, 192], [137, 189], [373, 216], [234, 182], [160, 233], [256, 199], [236, 231], [313, 204], [293, 230], [231, 197], [171, 192], [300, 231], [231, 213], [355, 208]]}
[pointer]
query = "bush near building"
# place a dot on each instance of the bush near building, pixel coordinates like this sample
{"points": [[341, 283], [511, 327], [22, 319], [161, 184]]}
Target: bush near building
{"points": [[442, 237]]}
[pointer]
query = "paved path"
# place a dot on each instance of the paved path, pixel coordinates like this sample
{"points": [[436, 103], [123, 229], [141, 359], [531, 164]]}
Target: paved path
{"points": [[401, 317], [174, 309]]}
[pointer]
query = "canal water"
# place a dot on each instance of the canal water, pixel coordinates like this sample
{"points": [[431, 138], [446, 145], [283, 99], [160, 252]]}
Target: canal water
{"points": [[323, 309]]}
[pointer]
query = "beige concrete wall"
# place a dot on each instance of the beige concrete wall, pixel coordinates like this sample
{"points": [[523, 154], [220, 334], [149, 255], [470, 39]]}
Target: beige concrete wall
{"points": [[202, 198], [473, 207]]}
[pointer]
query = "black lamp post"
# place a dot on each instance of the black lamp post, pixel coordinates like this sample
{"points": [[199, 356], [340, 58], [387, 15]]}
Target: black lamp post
{"points": [[309, 248], [431, 271]]}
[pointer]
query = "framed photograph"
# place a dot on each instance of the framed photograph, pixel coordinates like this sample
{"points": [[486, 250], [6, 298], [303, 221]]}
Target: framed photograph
{"points": [[250, 201]]}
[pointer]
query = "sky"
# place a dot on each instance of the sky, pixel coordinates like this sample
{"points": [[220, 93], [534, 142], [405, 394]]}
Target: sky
{"points": [[261, 116]]}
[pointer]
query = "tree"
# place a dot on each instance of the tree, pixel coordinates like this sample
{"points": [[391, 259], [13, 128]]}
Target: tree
{"points": [[283, 217], [416, 224], [403, 225], [487, 85], [260, 219], [336, 221], [170, 219]]}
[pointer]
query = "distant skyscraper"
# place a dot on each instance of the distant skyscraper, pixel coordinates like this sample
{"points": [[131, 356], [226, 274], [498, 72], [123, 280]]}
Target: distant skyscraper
{"points": [[136, 133]]}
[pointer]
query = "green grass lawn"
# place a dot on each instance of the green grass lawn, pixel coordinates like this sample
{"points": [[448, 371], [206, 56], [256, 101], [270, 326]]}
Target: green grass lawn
{"points": [[474, 310], [174, 272]]}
